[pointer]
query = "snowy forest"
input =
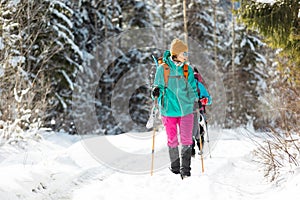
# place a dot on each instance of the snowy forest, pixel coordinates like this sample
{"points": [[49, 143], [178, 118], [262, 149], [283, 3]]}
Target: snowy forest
{"points": [[45, 44], [62, 60]]}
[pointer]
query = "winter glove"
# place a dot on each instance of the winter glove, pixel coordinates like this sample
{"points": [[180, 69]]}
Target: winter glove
{"points": [[155, 92], [204, 101]]}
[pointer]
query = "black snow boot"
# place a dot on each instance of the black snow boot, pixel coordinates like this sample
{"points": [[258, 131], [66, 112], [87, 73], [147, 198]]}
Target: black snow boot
{"points": [[175, 161], [186, 153]]}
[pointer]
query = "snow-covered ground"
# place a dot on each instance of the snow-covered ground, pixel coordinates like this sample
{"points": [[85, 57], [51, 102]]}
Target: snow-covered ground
{"points": [[266, 1], [59, 167]]}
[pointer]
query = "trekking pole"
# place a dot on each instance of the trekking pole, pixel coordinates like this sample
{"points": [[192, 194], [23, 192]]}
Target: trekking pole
{"points": [[202, 161], [201, 147], [153, 142], [208, 141], [153, 135], [206, 130]]}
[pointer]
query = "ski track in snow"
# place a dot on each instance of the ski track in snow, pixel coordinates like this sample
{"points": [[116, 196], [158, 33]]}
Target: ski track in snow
{"points": [[61, 187]]}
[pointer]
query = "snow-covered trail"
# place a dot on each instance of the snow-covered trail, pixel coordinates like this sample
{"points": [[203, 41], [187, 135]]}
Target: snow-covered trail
{"points": [[229, 174], [60, 168]]}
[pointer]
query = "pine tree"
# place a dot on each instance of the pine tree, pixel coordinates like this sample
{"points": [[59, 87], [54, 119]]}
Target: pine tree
{"points": [[279, 24], [245, 72], [201, 23], [136, 15], [247, 82], [41, 57], [173, 21]]}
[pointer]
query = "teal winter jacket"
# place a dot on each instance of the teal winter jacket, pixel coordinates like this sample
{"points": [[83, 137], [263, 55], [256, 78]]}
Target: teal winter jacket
{"points": [[203, 92], [178, 97]]}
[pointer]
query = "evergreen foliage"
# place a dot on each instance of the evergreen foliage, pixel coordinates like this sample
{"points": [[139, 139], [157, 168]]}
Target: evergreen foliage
{"points": [[251, 69], [279, 24]]}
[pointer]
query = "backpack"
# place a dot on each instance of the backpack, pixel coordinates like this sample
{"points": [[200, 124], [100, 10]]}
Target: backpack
{"points": [[166, 67], [198, 78]]}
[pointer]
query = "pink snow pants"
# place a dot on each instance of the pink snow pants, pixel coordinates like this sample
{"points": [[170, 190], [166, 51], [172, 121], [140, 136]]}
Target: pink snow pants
{"points": [[185, 125]]}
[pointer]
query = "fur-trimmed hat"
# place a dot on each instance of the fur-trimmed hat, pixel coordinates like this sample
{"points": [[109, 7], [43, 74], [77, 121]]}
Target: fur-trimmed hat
{"points": [[178, 46]]}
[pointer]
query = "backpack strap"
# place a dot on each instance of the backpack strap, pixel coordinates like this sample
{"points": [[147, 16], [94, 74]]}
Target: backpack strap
{"points": [[166, 73], [186, 71], [198, 89], [160, 60], [166, 70]]}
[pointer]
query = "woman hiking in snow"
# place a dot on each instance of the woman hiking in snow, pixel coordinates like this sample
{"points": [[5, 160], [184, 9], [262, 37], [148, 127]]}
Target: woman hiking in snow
{"points": [[175, 87]]}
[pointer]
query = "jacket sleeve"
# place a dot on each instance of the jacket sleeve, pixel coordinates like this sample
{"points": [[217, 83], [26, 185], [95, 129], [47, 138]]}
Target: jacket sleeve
{"points": [[204, 93], [159, 80]]}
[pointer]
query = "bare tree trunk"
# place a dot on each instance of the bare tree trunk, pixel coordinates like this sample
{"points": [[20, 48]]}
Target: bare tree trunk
{"points": [[163, 14], [163, 7], [233, 62], [113, 41], [215, 37], [185, 22]]}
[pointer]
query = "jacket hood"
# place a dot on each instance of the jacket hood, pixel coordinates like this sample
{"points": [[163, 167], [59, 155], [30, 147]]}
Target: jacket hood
{"points": [[167, 60], [166, 56]]}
